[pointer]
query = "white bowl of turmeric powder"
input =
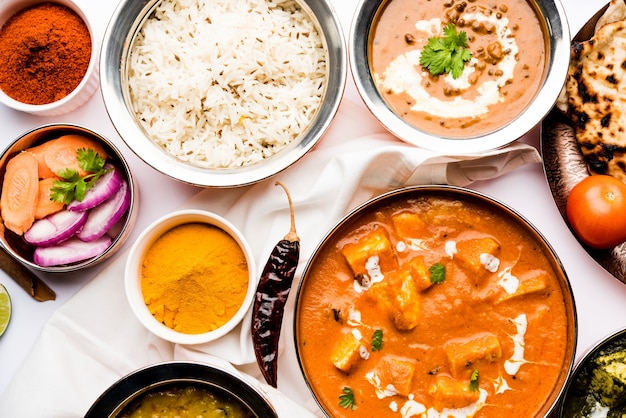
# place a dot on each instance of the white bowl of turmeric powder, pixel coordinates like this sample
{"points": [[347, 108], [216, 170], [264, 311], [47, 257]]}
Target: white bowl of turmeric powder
{"points": [[48, 56], [190, 277]]}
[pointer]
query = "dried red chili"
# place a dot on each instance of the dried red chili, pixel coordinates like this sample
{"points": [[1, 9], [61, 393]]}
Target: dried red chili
{"points": [[44, 53], [271, 297]]}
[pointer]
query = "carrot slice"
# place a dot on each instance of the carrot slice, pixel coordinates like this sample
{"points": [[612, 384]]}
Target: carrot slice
{"points": [[40, 151], [46, 206], [60, 153], [19, 192]]}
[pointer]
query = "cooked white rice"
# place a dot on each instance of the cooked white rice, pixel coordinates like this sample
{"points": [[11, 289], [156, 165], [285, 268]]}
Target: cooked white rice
{"points": [[226, 83]]}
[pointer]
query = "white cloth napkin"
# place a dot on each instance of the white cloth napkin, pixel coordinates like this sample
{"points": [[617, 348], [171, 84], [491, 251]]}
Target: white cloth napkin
{"points": [[94, 339]]}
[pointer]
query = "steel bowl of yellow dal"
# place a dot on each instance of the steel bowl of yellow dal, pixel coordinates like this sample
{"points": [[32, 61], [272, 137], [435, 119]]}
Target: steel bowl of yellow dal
{"points": [[178, 388]]}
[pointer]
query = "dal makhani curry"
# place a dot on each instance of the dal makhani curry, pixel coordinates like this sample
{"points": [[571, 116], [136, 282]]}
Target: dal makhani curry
{"points": [[500, 62], [433, 306]]}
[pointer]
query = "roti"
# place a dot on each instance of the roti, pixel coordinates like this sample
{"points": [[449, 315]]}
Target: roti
{"points": [[595, 102]]}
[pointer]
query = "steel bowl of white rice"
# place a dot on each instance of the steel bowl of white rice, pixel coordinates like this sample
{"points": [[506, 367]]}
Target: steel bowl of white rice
{"points": [[222, 93]]}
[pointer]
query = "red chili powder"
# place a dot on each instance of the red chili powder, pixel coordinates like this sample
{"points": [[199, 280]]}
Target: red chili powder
{"points": [[44, 53]]}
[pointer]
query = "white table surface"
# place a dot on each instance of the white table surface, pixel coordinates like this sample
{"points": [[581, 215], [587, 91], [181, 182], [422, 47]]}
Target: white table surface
{"points": [[600, 298]]}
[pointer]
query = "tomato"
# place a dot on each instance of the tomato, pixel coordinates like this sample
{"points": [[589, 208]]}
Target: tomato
{"points": [[596, 211]]}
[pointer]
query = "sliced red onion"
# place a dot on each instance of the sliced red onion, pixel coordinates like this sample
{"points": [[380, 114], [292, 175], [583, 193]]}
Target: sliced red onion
{"points": [[102, 189], [55, 228], [101, 218], [70, 251]]}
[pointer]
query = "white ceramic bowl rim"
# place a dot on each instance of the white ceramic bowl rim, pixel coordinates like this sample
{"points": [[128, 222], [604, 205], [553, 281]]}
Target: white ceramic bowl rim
{"points": [[85, 88], [558, 53], [132, 274], [127, 20]]}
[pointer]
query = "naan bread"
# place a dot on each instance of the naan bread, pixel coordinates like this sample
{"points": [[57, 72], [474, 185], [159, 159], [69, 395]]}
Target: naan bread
{"points": [[596, 98], [615, 12]]}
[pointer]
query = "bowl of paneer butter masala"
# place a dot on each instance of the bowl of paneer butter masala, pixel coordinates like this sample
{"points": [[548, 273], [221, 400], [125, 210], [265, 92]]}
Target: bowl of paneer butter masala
{"points": [[222, 93], [435, 301], [456, 75]]}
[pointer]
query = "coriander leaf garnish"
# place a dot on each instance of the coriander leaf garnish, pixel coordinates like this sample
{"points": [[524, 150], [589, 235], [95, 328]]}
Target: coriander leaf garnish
{"points": [[346, 399], [74, 186], [473, 386], [377, 340], [437, 273], [447, 54]]}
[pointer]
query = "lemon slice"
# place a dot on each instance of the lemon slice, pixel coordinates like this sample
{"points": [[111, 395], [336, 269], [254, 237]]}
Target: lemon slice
{"points": [[5, 309]]}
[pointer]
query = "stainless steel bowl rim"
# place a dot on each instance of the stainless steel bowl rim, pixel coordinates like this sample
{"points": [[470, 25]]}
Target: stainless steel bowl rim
{"points": [[558, 61], [121, 30]]}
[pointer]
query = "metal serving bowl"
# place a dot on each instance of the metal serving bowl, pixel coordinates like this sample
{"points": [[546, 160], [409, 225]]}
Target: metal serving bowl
{"points": [[118, 39], [371, 211], [22, 251], [113, 401], [578, 391], [556, 33]]}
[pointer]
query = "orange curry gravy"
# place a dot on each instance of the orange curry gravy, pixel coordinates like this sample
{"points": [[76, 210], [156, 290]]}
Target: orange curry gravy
{"points": [[507, 43], [490, 340]]}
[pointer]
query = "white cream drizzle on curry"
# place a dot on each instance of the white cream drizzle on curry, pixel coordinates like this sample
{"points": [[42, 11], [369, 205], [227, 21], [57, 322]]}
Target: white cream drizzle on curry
{"points": [[508, 281], [411, 408], [516, 361]]}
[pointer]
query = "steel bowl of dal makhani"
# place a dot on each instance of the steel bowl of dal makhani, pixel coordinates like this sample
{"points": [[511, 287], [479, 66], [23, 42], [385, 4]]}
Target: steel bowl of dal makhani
{"points": [[458, 75], [222, 93], [435, 301]]}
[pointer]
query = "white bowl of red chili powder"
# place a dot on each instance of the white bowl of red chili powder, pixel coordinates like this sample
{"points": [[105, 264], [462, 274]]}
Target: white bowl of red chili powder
{"points": [[190, 277], [48, 56]]}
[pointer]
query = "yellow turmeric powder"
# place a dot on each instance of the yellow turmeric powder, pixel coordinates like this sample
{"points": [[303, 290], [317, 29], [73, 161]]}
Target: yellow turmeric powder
{"points": [[194, 278]]}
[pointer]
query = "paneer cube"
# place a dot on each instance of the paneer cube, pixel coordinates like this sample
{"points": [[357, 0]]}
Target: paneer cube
{"points": [[532, 282], [378, 295], [419, 272], [474, 254], [465, 354], [448, 392], [405, 299], [374, 244], [346, 352], [393, 375], [409, 225]]}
